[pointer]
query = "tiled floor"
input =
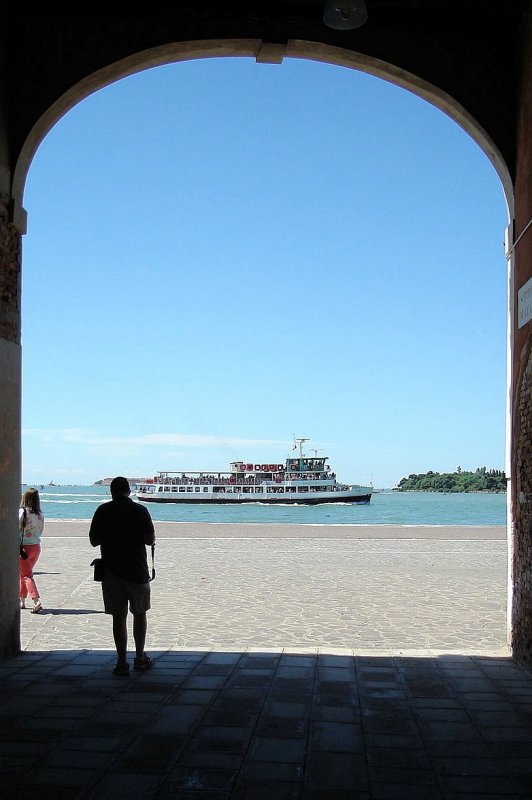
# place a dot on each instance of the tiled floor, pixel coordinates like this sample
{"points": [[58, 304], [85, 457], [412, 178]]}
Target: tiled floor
{"points": [[265, 725]]}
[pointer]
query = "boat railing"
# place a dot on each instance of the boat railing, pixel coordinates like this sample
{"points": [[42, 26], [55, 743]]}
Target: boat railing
{"points": [[250, 480]]}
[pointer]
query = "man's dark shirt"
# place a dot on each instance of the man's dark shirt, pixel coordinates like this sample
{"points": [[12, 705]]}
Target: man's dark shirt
{"points": [[123, 528]]}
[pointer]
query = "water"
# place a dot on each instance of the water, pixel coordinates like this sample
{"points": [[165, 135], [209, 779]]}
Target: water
{"points": [[386, 508]]}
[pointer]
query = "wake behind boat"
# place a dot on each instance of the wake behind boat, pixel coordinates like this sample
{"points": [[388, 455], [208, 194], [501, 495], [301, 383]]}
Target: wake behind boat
{"points": [[301, 480]]}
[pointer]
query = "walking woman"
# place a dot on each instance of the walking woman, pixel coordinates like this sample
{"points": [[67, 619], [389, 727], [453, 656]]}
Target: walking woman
{"points": [[31, 524]]}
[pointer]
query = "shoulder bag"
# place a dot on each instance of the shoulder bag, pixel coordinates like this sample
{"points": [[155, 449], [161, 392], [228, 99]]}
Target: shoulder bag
{"points": [[99, 566], [23, 553]]}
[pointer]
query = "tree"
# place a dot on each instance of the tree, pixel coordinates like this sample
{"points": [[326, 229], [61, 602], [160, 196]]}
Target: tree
{"points": [[482, 480]]}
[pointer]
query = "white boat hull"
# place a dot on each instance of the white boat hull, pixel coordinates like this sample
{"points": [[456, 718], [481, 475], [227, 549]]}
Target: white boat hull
{"points": [[355, 494]]}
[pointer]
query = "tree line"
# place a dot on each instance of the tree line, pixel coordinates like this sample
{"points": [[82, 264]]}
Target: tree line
{"points": [[482, 480]]}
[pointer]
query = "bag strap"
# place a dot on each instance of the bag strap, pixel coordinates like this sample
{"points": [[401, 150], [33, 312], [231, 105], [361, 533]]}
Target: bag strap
{"points": [[152, 562], [23, 521]]}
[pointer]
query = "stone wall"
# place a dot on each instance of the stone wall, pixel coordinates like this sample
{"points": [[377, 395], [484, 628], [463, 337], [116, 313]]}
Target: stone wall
{"points": [[521, 499], [10, 263], [10, 419]]}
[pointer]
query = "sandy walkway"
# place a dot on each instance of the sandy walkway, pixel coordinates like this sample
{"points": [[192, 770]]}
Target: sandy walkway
{"points": [[209, 530]]}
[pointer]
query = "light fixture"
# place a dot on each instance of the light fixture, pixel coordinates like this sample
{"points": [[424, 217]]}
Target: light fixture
{"points": [[344, 15]]}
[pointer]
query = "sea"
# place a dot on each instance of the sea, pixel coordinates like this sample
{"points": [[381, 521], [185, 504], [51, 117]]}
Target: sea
{"points": [[386, 508]]}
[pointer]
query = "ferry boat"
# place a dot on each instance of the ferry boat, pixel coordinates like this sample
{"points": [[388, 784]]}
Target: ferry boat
{"points": [[301, 480]]}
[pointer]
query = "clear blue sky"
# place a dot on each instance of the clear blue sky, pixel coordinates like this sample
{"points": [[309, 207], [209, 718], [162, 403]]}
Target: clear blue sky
{"points": [[222, 254]]}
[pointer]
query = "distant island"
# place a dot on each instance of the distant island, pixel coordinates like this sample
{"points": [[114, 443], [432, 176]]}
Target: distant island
{"points": [[107, 481], [482, 480]]}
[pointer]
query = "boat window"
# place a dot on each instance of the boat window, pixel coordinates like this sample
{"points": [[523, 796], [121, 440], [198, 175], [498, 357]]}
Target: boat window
{"points": [[197, 488], [258, 489], [174, 488], [205, 488], [181, 488], [161, 488], [189, 488]]}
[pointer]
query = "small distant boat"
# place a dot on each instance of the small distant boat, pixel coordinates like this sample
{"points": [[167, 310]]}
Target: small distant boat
{"points": [[301, 480]]}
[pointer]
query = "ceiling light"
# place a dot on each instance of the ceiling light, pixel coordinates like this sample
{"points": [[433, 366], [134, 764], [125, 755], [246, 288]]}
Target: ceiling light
{"points": [[345, 15]]}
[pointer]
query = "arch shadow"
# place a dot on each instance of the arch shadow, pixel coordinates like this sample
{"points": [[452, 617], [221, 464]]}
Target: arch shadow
{"points": [[244, 724]]}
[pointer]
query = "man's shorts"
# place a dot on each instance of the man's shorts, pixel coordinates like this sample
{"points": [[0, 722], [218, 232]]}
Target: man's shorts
{"points": [[117, 593]]}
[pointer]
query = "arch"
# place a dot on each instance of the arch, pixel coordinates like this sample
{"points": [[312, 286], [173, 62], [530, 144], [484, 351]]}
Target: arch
{"points": [[275, 54], [262, 53]]}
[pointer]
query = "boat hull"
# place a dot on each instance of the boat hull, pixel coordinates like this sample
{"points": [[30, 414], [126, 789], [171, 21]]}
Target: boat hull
{"points": [[362, 499]]}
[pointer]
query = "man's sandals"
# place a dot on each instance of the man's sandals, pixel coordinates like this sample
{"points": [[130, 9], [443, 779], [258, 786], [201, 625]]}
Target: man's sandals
{"points": [[143, 663], [140, 665]]}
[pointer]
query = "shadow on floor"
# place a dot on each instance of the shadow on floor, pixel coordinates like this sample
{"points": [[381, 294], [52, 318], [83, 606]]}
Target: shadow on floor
{"points": [[272, 725]]}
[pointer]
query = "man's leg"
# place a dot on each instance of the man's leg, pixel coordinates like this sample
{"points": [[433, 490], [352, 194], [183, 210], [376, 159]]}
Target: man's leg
{"points": [[140, 625], [120, 637], [139, 605], [142, 661]]}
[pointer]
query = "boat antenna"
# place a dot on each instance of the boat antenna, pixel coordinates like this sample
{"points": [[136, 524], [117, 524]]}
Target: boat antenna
{"points": [[299, 443]]}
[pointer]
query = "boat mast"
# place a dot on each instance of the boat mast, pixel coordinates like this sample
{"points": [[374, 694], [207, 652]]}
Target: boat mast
{"points": [[299, 443]]}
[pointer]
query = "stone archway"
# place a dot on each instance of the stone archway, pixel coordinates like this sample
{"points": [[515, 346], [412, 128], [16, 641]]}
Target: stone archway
{"points": [[262, 53]]}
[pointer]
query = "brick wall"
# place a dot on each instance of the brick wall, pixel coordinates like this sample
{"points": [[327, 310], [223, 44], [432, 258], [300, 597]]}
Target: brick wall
{"points": [[522, 381], [522, 566]]}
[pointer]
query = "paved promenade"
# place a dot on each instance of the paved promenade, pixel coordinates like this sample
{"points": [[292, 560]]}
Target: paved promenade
{"points": [[223, 586], [316, 664]]}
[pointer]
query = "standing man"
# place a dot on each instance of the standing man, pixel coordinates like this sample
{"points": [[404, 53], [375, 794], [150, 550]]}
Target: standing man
{"points": [[122, 529]]}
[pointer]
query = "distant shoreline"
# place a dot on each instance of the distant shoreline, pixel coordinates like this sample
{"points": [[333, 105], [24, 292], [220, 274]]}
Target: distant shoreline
{"points": [[437, 491]]}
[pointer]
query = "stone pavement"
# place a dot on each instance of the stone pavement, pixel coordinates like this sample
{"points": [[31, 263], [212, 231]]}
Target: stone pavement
{"points": [[316, 669]]}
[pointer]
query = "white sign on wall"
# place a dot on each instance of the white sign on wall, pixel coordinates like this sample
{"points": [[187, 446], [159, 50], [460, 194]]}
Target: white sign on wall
{"points": [[524, 304]]}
